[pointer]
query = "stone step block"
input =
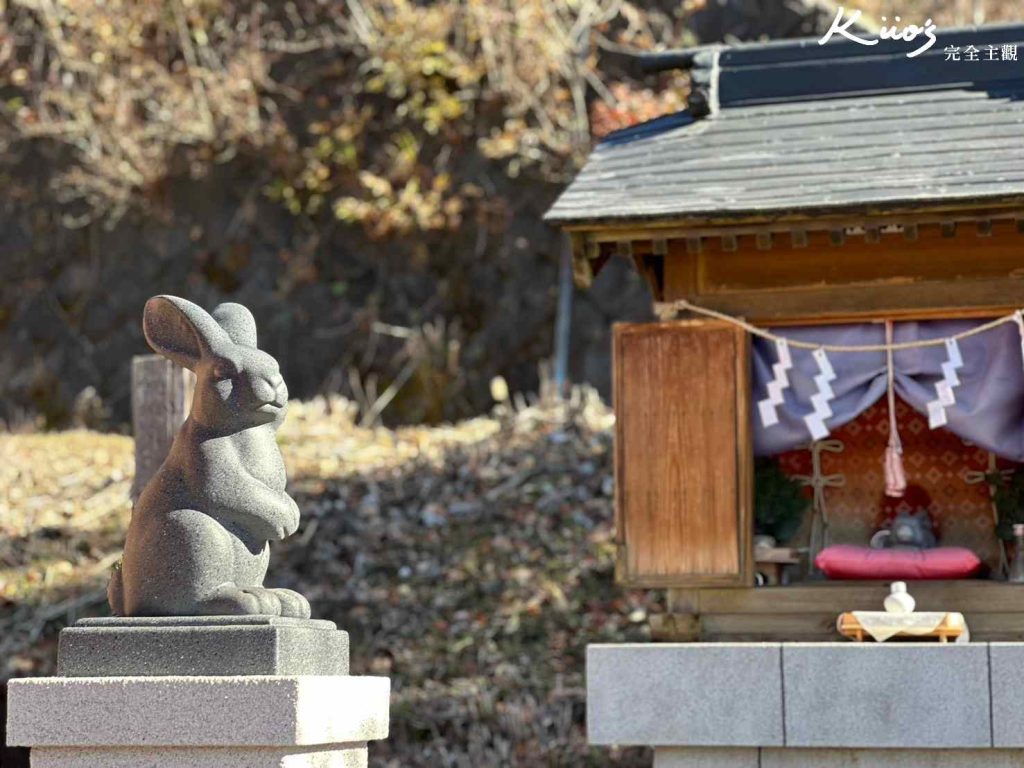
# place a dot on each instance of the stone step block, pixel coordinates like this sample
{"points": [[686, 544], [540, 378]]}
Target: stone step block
{"points": [[215, 711], [906, 695], [664, 694], [202, 645]]}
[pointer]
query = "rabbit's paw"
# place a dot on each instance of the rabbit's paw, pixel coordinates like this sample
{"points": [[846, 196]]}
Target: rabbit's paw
{"points": [[270, 603], [292, 522], [293, 604], [229, 600]]}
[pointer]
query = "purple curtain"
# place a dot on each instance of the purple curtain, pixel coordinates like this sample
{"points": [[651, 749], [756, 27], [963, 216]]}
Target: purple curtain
{"points": [[989, 409]]}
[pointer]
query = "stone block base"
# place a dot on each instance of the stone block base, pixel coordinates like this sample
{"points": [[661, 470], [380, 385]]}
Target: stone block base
{"points": [[337, 756], [771, 757], [199, 722], [842, 695], [202, 645], [811, 705]]}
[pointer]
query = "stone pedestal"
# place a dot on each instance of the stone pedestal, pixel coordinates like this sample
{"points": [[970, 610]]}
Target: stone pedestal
{"points": [[202, 645], [198, 721], [199, 692]]}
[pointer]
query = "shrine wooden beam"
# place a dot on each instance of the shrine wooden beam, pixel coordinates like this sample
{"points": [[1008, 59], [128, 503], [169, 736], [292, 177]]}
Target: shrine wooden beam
{"points": [[677, 226], [994, 610], [921, 273]]}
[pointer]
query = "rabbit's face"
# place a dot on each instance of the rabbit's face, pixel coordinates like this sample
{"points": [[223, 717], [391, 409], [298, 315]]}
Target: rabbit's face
{"points": [[241, 389], [237, 385]]}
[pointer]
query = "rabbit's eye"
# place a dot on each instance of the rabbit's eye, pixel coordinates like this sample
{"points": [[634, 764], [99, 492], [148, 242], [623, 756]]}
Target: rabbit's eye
{"points": [[223, 371]]}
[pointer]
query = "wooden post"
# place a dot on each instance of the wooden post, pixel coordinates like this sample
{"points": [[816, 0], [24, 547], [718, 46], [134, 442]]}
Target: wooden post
{"points": [[161, 396], [563, 323]]}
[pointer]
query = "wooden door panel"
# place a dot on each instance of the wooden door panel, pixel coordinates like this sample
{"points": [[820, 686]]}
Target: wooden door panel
{"points": [[682, 453]]}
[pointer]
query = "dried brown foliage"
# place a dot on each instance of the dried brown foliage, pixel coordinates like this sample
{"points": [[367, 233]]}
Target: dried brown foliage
{"points": [[361, 106]]}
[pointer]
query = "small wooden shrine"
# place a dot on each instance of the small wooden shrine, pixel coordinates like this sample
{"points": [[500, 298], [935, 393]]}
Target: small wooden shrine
{"points": [[815, 193]]}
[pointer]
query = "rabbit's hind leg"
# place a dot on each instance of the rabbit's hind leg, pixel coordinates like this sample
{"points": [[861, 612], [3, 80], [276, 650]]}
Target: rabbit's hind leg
{"points": [[185, 565]]}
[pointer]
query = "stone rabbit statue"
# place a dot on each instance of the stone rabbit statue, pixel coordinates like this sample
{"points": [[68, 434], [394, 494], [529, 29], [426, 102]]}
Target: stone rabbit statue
{"points": [[198, 542]]}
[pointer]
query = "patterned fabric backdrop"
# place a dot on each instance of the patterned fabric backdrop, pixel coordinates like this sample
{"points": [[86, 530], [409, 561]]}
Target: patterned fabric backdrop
{"points": [[937, 460]]}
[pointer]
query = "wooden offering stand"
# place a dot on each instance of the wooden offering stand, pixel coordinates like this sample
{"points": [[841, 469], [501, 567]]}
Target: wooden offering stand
{"points": [[951, 628]]}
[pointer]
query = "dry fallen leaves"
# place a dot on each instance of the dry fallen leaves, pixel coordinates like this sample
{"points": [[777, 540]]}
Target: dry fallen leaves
{"points": [[470, 562]]}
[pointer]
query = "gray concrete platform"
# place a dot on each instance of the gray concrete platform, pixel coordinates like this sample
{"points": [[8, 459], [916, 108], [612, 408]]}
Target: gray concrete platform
{"points": [[845, 697], [202, 645], [923, 695], [788, 757]]}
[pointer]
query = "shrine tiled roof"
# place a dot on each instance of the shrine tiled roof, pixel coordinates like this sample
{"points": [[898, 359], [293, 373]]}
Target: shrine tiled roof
{"points": [[795, 128]]}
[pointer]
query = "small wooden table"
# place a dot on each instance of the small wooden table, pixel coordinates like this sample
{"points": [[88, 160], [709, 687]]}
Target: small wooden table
{"points": [[951, 627], [770, 561]]}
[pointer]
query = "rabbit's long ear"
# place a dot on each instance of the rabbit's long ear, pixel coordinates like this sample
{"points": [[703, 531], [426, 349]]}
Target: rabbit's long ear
{"points": [[180, 330], [238, 322]]}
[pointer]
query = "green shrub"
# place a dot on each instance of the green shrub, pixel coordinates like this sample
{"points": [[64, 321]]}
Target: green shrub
{"points": [[779, 501]]}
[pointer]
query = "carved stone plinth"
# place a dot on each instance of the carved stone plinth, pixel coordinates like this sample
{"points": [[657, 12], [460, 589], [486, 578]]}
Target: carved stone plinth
{"points": [[202, 645]]}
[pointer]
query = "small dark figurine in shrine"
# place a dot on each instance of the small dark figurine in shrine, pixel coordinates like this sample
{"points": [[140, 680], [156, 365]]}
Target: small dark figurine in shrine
{"points": [[198, 542], [909, 530]]}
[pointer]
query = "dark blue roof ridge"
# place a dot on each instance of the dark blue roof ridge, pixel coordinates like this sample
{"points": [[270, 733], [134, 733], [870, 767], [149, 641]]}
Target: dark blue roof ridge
{"points": [[810, 72], [805, 49], [803, 69]]}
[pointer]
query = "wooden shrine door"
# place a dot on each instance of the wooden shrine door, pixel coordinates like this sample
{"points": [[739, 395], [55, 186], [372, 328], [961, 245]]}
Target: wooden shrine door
{"points": [[683, 455]]}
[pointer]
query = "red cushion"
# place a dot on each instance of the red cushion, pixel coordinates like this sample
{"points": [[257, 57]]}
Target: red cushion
{"points": [[843, 561]]}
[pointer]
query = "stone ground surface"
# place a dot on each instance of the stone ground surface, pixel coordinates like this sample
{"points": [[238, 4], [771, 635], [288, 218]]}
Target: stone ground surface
{"points": [[472, 563]]}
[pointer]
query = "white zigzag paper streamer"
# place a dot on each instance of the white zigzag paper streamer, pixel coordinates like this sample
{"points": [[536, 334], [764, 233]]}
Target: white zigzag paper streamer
{"points": [[945, 397], [1018, 317], [768, 408], [820, 400]]}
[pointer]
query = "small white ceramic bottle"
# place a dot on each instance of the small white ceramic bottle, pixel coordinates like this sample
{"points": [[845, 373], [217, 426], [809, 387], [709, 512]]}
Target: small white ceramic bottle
{"points": [[899, 600]]}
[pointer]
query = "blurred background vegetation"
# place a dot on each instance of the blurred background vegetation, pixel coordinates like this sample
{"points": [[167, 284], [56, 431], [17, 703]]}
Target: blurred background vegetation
{"points": [[368, 176]]}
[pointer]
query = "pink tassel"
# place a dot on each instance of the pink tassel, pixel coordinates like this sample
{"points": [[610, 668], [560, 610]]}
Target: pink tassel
{"points": [[895, 477]]}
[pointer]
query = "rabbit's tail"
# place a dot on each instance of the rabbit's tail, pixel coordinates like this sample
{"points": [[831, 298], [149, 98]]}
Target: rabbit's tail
{"points": [[115, 591]]}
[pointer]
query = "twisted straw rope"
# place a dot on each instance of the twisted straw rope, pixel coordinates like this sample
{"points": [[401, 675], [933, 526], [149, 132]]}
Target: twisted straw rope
{"points": [[682, 304]]}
